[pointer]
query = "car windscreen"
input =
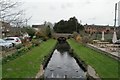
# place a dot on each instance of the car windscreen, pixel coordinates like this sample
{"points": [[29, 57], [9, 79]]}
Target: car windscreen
{"points": [[2, 41], [9, 39]]}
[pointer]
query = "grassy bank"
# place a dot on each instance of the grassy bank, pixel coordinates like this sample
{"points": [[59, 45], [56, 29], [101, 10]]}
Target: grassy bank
{"points": [[28, 65], [105, 66]]}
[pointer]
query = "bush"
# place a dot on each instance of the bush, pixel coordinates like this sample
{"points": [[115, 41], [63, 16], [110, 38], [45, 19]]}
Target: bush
{"points": [[75, 34], [78, 38], [86, 39], [18, 46], [35, 42], [19, 52], [3, 48], [44, 38], [30, 47]]}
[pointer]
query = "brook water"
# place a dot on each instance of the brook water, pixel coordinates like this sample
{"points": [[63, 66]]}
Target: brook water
{"points": [[63, 65]]}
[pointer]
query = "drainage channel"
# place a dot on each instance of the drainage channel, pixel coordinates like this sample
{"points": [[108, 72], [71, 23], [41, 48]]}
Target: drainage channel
{"points": [[63, 65]]}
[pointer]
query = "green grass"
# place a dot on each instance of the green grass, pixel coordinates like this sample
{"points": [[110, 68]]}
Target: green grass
{"points": [[105, 66], [28, 65]]}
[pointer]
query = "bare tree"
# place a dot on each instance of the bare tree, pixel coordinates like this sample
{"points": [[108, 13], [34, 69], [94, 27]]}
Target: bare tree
{"points": [[11, 13], [8, 10]]}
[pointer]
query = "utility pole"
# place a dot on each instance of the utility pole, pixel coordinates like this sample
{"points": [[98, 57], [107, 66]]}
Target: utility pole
{"points": [[26, 21], [114, 34], [115, 16]]}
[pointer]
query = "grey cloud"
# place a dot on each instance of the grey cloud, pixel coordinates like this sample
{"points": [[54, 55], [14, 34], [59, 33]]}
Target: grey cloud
{"points": [[87, 2], [66, 5], [93, 18], [52, 7], [91, 11]]}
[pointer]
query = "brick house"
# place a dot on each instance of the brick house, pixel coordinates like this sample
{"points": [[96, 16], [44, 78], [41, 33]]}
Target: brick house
{"points": [[98, 28], [38, 27], [5, 28]]}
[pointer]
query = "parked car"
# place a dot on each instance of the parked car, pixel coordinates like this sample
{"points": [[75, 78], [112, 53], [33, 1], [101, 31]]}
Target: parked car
{"points": [[5, 44], [14, 40]]}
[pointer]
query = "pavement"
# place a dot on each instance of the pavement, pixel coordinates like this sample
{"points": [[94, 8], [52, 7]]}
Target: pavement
{"points": [[117, 54], [40, 73], [92, 72]]}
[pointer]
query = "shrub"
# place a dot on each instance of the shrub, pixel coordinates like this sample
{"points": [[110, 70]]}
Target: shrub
{"points": [[19, 52], [78, 38], [86, 39], [35, 42], [44, 38], [30, 47], [18, 46], [3, 48], [75, 34]]}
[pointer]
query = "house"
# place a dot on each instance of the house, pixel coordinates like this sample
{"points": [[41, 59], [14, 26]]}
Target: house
{"points": [[15, 31], [5, 28], [38, 27], [43, 26], [26, 35], [49, 24], [98, 28]]}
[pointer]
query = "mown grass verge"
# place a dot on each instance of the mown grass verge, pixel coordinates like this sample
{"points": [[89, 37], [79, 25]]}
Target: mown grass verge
{"points": [[27, 66], [105, 66]]}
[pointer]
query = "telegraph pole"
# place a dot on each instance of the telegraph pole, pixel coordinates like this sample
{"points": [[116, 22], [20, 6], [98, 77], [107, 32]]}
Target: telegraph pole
{"points": [[115, 16], [114, 34], [26, 21]]}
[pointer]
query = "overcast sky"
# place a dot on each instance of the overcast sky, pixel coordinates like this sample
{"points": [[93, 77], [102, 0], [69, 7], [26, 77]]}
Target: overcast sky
{"points": [[100, 12]]}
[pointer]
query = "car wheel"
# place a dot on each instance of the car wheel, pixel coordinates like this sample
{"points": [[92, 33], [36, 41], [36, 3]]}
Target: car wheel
{"points": [[13, 44]]}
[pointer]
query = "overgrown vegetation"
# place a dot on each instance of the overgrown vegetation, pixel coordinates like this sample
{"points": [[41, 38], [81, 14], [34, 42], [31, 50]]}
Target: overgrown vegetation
{"points": [[105, 66]]}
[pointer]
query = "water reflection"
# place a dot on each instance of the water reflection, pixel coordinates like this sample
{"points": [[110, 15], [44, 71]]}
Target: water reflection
{"points": [[62, 65]]}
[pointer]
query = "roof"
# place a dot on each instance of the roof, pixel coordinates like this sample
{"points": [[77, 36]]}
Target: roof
{"points": [[38, 26], [97, 26]]}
